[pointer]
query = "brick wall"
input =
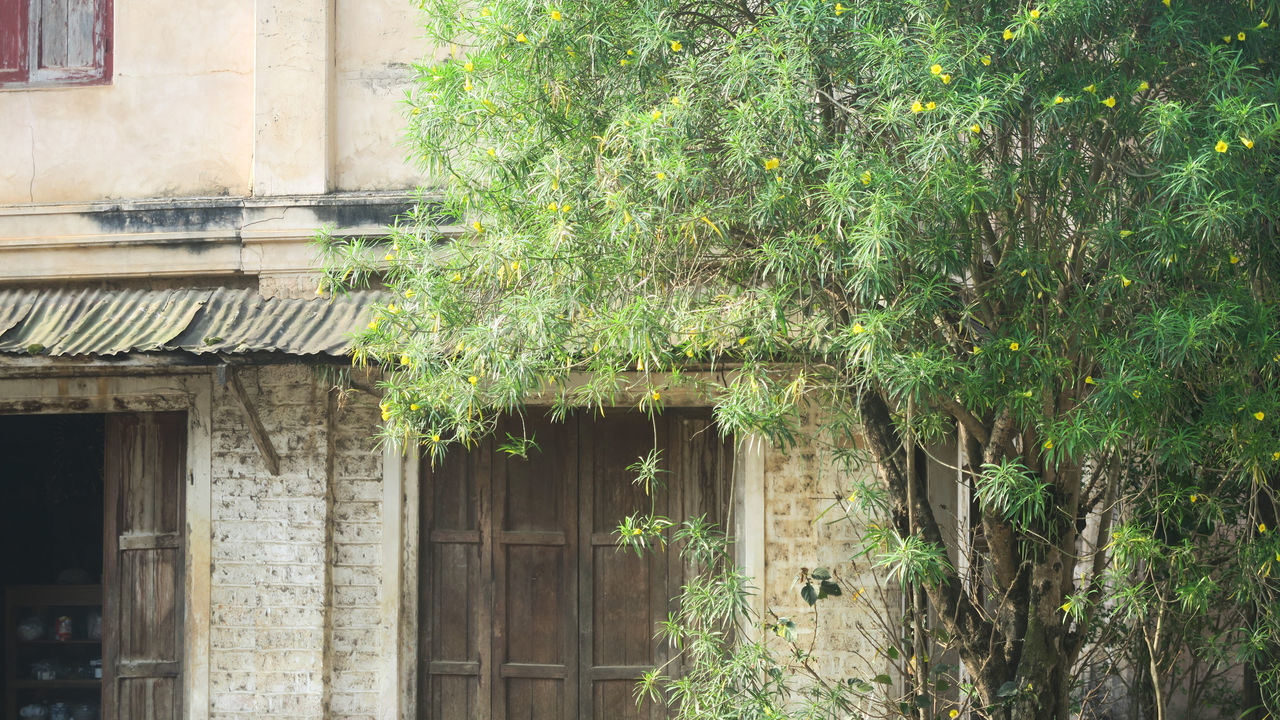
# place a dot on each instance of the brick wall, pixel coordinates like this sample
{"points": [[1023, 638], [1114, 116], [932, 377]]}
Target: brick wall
{"points": [[295, 577], [802, 530]]}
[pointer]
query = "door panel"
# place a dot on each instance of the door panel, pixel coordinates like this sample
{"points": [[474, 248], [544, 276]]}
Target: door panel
{"points": [[528, 607], [145, 468]]}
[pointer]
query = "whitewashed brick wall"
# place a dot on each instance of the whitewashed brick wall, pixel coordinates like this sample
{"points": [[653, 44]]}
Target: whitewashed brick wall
{"points": [[293, 616], [799, 485]]}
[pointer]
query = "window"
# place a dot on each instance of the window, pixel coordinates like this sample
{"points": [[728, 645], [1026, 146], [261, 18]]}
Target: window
{"points": [[55, 42], [527, 607]]}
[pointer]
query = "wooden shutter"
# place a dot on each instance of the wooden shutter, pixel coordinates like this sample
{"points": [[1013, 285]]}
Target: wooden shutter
{"points": [[535, 629], [13, 40], [624, 595], [70, 40], [143, 566], [455, 588]]}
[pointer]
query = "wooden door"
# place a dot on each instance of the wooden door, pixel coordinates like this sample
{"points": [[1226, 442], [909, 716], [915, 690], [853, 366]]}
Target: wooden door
{"points": [[528, 608], [145, 472]]}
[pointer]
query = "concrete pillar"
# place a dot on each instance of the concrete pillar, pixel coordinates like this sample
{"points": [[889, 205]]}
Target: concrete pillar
{"points": [[292, 97]]}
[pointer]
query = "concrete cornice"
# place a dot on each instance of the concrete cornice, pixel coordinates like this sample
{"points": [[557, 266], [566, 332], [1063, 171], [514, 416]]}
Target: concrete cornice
{"points": [[178, 237]]}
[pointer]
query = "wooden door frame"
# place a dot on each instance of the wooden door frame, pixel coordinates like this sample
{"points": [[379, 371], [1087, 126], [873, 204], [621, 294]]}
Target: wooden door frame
{"points": [[401, 564], [191, 393]]}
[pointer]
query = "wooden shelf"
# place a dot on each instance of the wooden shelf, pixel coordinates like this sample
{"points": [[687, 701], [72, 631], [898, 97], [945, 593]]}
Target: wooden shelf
{"points": [[59, 642], [48, 602], [89, 684]]}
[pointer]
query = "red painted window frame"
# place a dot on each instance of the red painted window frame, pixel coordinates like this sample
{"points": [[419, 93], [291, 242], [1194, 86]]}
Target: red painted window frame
{"points": [[17, 36]]}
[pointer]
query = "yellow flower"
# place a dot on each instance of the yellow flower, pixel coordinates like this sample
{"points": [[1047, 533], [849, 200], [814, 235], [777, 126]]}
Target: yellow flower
{"points": [[390, 256], [742, 340], [1110, 101], [631, 52], [486, 12], [1221, 146], [975, 127], [1059, 100], [1144, 86], [946, 79], [986, 59], [1014, 346], [916, 107], [1234, 259], [1026, 393], [521, 38], [1048, 444], [555, 15], [1240, 36], [479, 227], [1022, 274], [467, 86], [564, 208], [404, 359], [623, 62], [493, 152], [676, 101], [1166, 3], [1088, 380], [839, 9], [435, 437], [1275, 456], [552, 206], [1137, 394], [1091, 88], [469, 66], [409, 293], [953, 714], [1008, 34], [373, 325], [1259, 416], [930, 105], [413, 406], [1246, 142], [661, 175], [1261, 25], [866, 177], [1226, 39], [656, 396], [656, 114], [1124, 281], [936, 69], [676, 46], [1194, 498], [457, 277], [473, 379], [771, 163], [1035, 14], [1262, 528], [392, 309], [858, 329]]}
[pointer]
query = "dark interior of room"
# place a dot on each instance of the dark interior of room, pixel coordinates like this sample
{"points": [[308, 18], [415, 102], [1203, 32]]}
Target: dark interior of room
{"points": [[51, 515]]}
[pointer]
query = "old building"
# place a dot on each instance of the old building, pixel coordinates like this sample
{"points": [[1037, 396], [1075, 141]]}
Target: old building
{"points": [[199, 525]]}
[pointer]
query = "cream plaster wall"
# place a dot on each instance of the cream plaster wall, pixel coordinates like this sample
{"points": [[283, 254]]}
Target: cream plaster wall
{"points": [[174, 121], [240, 97], [376, 43]]}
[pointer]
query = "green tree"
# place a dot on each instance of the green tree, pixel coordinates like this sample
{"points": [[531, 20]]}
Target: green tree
{"points": [[1046, 228]]}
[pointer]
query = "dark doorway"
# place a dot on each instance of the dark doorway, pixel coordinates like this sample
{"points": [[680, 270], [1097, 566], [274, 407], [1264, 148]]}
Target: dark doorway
{"points": [[51, 526]]}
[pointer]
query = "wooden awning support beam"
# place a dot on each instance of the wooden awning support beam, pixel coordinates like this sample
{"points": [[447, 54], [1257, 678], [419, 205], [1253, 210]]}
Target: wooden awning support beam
{"points": [[260, 438]]}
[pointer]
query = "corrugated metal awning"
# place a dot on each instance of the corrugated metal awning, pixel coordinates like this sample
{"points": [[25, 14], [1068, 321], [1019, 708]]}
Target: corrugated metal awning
{"points": [[109, 322]]}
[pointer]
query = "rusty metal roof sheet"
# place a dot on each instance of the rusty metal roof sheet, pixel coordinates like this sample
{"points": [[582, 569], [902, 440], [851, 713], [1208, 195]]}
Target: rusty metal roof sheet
{"points": [[108, 322]]}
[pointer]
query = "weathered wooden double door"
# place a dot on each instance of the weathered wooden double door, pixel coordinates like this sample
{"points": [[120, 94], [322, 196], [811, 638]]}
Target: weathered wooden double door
{"points": [[528, 609]]}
